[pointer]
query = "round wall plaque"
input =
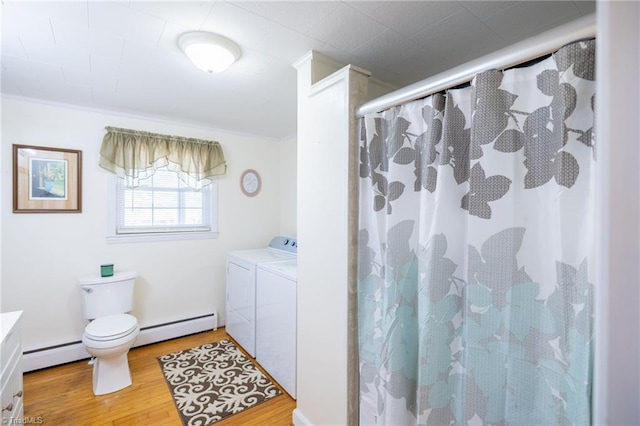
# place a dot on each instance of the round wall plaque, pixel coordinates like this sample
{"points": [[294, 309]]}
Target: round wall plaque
{"points": [[250, 182]]}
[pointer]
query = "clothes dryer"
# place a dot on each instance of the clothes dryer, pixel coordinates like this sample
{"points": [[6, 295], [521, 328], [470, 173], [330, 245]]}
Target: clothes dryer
{"points": [[276, 321], [241, 287]]}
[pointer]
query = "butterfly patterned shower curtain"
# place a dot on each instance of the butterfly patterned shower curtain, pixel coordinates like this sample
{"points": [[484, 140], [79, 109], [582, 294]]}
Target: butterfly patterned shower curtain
{"points": [[476, 243]]}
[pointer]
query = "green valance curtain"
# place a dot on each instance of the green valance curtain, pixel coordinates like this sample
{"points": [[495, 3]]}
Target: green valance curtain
{"points": [[134, 155]]}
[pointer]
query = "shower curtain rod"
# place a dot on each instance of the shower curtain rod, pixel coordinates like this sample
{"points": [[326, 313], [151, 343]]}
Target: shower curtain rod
{"points": [[510, 56]]}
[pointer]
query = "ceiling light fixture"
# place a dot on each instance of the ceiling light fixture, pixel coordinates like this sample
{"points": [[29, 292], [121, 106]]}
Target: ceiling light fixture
{"points": [[208, 51]]}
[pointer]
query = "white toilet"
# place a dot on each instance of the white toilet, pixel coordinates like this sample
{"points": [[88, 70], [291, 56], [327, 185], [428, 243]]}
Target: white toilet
{"points": [[112, 331]]}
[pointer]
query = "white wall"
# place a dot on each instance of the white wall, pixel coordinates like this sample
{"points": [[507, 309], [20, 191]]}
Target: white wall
{"points": [[288, 186], [327, 225], [44, 254], [617, 368], [1, 204]]}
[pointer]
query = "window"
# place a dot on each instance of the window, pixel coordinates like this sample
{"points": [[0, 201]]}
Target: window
{"points": [[163, 207]]}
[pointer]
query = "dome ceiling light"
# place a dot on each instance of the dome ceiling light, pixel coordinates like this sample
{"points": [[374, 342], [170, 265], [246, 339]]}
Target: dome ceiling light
{"points": [[209, 52]]}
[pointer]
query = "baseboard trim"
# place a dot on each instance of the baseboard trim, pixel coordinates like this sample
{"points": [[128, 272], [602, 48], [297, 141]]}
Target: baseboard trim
{"points": [[75, 351], [299, 419]]}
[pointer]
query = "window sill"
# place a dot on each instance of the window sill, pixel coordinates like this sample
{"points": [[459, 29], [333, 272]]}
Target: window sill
{"points": [[169, 236]]}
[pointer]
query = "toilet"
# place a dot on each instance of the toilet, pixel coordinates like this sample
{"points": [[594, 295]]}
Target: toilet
{"points": [[111, 331]]}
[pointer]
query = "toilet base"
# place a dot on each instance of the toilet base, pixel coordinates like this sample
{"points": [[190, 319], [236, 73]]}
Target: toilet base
{"points": [[111, 374]]}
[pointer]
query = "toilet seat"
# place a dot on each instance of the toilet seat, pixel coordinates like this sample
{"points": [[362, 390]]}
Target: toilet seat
{"points": [[111, 327]]}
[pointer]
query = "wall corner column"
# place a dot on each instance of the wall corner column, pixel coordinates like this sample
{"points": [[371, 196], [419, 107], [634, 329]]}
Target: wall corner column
{"points": [[327, 359]]}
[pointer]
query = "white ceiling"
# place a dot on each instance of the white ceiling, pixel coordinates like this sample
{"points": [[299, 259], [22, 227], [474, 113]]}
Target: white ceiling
{"points": [[123, 55]]}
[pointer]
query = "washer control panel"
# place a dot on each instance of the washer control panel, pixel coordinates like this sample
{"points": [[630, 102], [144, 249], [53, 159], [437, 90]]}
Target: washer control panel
{"points": [[287, 244]]}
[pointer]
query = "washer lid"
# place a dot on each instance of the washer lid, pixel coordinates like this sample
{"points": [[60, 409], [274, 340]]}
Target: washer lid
{"points": [[111, 327], [256, 256], [286, 268]]}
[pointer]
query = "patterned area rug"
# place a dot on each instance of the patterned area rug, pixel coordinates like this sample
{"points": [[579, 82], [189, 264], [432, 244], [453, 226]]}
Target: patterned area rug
{"points": [[214, 381]]}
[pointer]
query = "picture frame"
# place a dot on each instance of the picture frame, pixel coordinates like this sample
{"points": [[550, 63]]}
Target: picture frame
{"points": [[46, 180]]}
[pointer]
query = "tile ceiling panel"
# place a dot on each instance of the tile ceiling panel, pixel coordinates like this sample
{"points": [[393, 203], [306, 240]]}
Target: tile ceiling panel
{"points": [[9, 84], [413, 70], [120, 21], [486, 9], [23, 72], [71, 12], [123, 55], [245, 28], [299, 16], [528, 18], [58, 56], [459, 32], [168, 41], [138, 54], [346, 28], [92, 80], [68, 94], [288, 46], [410, 18], [256, 63], [104, 65], [184, 13], [33, 30], [12, 46], [586, 7], [81, 39], [388, 48]]}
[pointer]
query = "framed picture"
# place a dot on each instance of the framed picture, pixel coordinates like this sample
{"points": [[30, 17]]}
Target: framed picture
{"points": [[46, 180]]}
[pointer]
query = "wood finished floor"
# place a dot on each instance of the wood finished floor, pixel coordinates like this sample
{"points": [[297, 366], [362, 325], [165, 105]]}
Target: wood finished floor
{"points": [[63, 395]]}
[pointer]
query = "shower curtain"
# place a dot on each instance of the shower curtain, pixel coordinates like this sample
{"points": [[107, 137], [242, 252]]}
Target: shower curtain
{"points": [[475, 264]]}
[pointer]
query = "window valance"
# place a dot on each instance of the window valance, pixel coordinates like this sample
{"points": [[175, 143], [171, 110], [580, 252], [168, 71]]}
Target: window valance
{"points": [[135, 155]]}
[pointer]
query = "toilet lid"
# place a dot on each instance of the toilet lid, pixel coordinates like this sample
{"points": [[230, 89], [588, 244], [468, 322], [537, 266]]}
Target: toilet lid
{"points": [[111, 327]]}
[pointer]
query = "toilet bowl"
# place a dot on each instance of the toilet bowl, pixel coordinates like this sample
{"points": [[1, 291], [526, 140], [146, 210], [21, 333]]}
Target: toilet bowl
{"points": [[112, 331], [108, 339]]}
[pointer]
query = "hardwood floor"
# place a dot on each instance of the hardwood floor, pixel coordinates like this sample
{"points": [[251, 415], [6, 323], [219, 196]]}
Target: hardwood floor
{"points": [[63, 395]]}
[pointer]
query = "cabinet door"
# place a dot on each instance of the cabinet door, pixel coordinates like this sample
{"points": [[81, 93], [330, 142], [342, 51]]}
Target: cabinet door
{"points": [[11, 369], [12, 407], [241, 305]]}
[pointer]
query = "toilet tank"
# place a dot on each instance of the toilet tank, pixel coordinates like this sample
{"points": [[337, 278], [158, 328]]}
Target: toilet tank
{"points": [[103, 296]]}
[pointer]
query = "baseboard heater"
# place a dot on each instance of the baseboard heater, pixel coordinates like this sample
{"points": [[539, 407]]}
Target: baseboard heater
{"points": [[61, 354]]}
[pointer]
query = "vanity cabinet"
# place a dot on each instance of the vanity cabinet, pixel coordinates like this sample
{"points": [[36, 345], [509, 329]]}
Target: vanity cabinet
{"points": [[11, 368]]}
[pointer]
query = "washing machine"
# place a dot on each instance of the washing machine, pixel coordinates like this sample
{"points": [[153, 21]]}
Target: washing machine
{"points": [[276, 321], [241, 287]]}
